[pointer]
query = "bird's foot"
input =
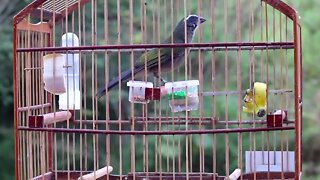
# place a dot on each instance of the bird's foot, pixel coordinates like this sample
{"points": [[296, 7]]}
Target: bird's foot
{"points": [[163, 81]]}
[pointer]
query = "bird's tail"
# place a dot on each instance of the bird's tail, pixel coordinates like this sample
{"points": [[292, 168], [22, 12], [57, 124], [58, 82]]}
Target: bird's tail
{"points": [[125, 75]]}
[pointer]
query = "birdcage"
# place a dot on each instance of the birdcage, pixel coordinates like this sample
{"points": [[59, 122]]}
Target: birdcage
{"points": [[221, 98]]}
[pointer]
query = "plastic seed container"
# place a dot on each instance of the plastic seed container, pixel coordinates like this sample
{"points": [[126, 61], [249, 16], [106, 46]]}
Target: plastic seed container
{"points": [[71, 98], [137, 91], [183, 95]]}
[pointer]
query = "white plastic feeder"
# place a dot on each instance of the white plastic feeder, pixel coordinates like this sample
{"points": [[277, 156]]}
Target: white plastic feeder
{"points": [[71, 98], [137, 91]]}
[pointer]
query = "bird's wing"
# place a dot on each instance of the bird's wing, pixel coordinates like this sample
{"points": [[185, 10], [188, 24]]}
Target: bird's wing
{"points": [[153, 54], [151, 57]]}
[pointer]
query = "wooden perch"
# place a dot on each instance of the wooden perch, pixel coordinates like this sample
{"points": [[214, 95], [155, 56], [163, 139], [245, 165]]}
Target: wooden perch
{"points": [[97, 174], [234, 175], [50, 118]]}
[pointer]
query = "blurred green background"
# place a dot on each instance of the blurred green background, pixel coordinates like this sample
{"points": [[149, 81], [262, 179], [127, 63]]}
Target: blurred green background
{"points": [[310, 21]]}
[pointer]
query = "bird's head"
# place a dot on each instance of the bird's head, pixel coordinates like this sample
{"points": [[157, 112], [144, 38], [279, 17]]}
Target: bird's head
{"points": [[191, 24]]}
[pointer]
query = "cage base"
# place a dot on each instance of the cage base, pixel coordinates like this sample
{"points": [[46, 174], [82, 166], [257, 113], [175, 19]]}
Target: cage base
{"points": [[269, 175], [74, 175]]}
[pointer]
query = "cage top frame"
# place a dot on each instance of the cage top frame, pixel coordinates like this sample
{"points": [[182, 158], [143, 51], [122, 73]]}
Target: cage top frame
{"points": [[45, 10]]}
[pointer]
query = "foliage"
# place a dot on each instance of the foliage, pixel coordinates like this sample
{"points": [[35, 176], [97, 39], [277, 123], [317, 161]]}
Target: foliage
{"points": [[7, 10]]}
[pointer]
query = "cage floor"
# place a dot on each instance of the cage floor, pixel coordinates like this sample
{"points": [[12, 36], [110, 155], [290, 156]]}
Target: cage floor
{"points": [[74, 175]]}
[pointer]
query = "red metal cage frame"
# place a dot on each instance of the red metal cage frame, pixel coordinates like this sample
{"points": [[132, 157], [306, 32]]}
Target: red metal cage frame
{"points": [[284, 8]]}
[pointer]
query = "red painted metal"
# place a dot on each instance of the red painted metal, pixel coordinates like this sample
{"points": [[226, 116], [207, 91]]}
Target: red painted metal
{"points": [[271, 175], [298, 96], [35, 121], [153, 93], [274, 120], [176, 121], [27, 10], [220, 48], [146, 46], [63, 175], [278, 4], [166, 132], [282, 7], [15, 102]]}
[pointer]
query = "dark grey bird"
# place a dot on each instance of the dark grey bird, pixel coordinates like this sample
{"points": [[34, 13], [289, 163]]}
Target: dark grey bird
{"points": [[168, 56]]}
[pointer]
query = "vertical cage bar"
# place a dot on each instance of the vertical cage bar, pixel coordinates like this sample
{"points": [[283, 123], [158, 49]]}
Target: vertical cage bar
{"points": [[239, 84], [213, 86], [298, 95], [106, 56], [16, 94], [226, 83]]}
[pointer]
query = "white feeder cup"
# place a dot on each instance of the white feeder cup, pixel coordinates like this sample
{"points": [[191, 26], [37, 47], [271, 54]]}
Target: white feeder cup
{"points": [[183, 95], [53, 73], [71, 98], [137, 91]]}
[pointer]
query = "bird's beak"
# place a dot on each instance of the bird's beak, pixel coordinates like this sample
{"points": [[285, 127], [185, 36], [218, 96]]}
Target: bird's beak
{"points": [[202, 20]]}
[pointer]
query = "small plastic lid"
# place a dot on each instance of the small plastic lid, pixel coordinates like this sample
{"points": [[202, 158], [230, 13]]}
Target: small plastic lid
{"points": [[140, 84], [177, 84]]}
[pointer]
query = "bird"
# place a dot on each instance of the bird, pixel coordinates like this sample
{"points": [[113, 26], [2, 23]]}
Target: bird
{"points": [[168, 56], [255, 100]]}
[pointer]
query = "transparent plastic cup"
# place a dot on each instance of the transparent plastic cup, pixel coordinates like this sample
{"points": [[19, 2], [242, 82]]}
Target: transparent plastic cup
{"points": [[137, 91], [183, 95]]}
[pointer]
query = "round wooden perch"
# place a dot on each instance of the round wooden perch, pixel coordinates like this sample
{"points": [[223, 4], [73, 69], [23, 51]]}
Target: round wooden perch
{"points": [[50, 118], [97, 174], [234, 175]]}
